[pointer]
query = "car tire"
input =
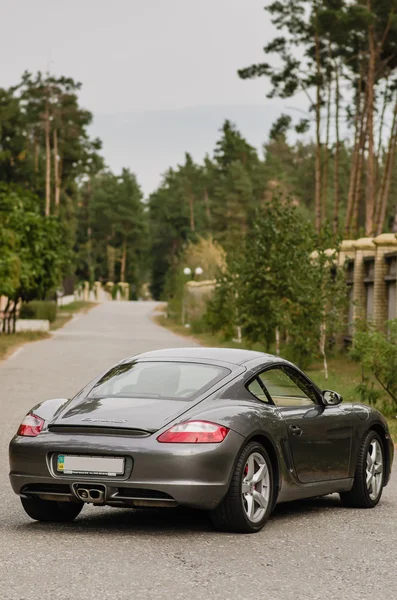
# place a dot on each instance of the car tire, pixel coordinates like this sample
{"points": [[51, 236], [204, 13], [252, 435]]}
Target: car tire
{"points": [[50, 510], [248, 503], [369, 476]]}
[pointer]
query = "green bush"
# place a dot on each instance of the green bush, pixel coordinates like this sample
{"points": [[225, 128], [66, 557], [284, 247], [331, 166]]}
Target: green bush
{"points": [[221, 315], [174, 292], [39, 309], [198, 325], [114, 291], [377, 353]]}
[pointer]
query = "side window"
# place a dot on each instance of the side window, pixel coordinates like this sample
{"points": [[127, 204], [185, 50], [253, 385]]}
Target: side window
{"points": [[287, 388], [257, 391]]}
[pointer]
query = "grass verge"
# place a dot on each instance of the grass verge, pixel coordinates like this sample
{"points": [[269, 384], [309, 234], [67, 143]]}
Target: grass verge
{"points": [[344, 374], [10, 343]]}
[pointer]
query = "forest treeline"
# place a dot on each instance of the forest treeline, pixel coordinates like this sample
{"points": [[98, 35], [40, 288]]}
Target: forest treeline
{"points": [[335, 163], [64, 216]]}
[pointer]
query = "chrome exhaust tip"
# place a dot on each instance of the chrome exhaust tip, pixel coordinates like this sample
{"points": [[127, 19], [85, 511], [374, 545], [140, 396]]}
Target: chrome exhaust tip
{"points": [[82, 494], [91, 494], [96, 496]]}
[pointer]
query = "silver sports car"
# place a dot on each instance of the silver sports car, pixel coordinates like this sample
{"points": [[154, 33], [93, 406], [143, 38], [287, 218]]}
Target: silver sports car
{"points": [[229, 431]]}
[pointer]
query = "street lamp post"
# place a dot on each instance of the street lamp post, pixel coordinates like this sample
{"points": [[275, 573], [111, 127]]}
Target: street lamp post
{"points": [[189, 273]]}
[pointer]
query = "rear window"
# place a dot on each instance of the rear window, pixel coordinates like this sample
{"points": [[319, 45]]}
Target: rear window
{"points": [[158, 380]]}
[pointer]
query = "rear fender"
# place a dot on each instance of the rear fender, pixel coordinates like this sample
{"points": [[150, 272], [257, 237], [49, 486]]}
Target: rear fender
{"points": [[48, 409], [254, 422]]}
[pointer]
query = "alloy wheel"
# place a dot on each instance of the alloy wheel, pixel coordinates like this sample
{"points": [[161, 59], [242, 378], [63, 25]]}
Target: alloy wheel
{"points": [[255, 487], [374, 470]]}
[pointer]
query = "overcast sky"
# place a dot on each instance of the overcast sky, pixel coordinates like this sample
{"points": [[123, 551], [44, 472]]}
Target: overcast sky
{"points": [[140, 55]]}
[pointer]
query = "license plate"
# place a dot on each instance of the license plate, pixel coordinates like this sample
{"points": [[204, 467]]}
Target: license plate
{"points": [[90, 465]]}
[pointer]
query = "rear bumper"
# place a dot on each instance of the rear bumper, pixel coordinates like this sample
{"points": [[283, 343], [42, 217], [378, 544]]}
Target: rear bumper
{"points": [[194, 475]]}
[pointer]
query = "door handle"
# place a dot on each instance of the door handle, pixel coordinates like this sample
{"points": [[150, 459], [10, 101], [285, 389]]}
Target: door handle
{"points": [[295, 430]]}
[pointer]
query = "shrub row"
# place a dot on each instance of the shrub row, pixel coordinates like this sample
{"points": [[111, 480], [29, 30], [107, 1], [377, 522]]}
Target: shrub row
{"points": [[39, 309]]}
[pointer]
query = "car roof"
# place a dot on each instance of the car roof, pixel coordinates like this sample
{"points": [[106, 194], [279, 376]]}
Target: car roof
{"points": [[234, 356]]}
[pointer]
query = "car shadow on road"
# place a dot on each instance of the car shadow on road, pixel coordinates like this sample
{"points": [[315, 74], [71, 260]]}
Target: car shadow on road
{"points": [[297, 508], [163, 521]]}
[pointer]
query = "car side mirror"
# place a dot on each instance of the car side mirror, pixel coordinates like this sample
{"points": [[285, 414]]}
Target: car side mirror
{"points": [[331, 398]]}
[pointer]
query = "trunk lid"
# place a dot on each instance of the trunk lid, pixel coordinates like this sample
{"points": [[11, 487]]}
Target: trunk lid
{"points": [[147, 414]]}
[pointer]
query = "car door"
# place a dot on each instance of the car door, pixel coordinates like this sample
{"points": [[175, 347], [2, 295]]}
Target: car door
{"points": [[319, 436]]}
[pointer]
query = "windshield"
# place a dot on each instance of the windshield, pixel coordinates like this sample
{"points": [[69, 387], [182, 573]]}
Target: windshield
{"points": [[158, 380]]}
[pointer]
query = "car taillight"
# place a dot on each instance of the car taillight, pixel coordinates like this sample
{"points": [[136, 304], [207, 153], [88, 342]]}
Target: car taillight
{"points": [[31, 426], [194, 432]]}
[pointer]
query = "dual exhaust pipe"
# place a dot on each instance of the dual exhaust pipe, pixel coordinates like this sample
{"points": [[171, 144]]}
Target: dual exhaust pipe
{"points": [[94, 494]]}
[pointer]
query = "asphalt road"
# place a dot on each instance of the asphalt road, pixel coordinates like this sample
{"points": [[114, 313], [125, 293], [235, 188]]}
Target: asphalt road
{"points": [[307, 551]]}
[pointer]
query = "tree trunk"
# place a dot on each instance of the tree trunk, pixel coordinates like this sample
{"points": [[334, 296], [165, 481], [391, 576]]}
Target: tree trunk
{"points": [[10, 320], [380, 184], [358, 122], [382, 122], [5, 320], [318, 126], [323, 339], [48, 162], [324, 198], [387, 175], [394, 226], [123, 262], [359, 171], [14, 316], [337, 152], [239, 338], [56, 172], [325, 168], [370, 200], [386, 193], [357, 192]]}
